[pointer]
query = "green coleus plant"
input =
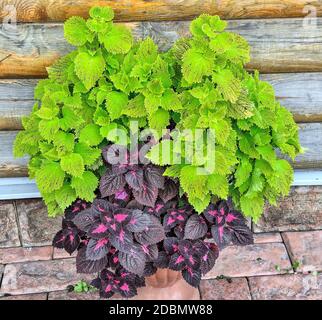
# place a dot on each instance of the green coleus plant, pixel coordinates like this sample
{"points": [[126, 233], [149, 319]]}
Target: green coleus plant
{"points": [[217, 92], [110, 80]]}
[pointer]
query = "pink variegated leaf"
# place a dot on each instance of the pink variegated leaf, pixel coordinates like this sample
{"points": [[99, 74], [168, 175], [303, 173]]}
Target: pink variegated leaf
{"points": [[97, 248], [195, 228], [193, 277], [110, 183]]}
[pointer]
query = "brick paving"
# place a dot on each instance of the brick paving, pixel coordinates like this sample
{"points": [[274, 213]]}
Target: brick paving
{"points": [[285, 261]]}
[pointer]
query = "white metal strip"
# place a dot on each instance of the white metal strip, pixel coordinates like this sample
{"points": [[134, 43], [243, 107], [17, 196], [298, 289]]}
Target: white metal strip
{"points": [[24, 188]]}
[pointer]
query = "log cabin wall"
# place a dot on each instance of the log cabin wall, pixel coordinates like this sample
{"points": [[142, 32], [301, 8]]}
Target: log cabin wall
{"points": [[285, 37]]}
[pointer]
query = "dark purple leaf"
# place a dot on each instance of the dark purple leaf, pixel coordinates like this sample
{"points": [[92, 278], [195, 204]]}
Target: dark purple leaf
{"points": [[103, 206], [113, 258], [133, 204], [222, 235], [169, 191], [107, 290], [177, 262], [98, 230], [111, 183], [84, 265], [173, 218], [72, 240], [193, 277], [242, 235], [158, 209], [162, 261], [209, 258], [75, 208], [139, 221], [122, 241], [149, 269], [154, 176], [133, 260], [147, 195], [185, 246], [179, 231], [127, 289], [85, 219], [211, 213], [59, 239], [122, 195], [134, 178], [171, 245], [97, 249], [139, 281], [153, 234], [195, 228], [193, 261], [116, 155], [150, 251], [122, 216]]}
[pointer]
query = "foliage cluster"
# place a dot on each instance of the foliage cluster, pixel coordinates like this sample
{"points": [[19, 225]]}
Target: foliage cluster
{"points": [[200, 83]]}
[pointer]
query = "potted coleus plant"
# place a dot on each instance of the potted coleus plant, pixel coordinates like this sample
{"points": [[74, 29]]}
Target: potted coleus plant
{"points": [[127, 234], [208, 134]]}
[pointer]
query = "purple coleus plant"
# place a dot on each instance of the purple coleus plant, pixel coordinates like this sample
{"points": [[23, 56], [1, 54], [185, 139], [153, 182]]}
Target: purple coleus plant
{"points": [[126, 174], [139, 223], [124, 242]]}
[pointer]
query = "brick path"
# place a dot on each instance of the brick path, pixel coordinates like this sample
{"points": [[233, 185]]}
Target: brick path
{"points": [[284, 263]]}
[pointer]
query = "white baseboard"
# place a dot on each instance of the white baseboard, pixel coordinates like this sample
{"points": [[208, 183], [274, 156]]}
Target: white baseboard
{"points": [[24, 188]]}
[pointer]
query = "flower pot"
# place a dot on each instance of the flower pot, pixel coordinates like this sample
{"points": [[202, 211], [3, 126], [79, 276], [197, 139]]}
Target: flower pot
{"points": [[166, 284]]}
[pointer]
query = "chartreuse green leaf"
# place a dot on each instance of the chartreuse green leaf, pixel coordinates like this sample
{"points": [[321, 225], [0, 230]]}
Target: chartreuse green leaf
{"points": [[243, 171], [252, 206], [70, 119], [207, 25], [50, 177], [170, 100], [85, 185], [196, 65], [89, 68], [115, 103], [73, 164], [218, 185], [76, 31], [200, 204], [135, 107], [65, 196], [64, 142], [173, 171], [193, 182], [49, 128], [26, 142], [118, 40], [228, 85], [91, 135], [88, 154], [147, 51], [159, 119]]}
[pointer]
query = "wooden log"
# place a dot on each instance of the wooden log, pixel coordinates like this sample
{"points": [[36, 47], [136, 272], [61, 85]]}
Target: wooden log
{"points": [[311, 141], [16, 101], [138, 10], [11, 113], [10, 166], [301, 93], [301, 210], [310, 135], [278, 45]]}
